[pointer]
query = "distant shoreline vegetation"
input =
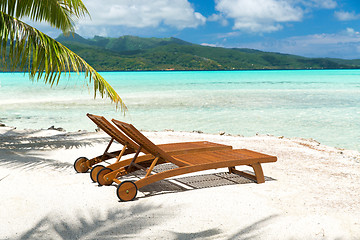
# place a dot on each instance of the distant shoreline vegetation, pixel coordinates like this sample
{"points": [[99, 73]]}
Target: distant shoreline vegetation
{"points": [[130, 53], [240, 70], [195, 70]]}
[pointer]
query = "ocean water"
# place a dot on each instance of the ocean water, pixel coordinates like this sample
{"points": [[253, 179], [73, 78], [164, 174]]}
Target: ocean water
{"points": [[319, 104]]}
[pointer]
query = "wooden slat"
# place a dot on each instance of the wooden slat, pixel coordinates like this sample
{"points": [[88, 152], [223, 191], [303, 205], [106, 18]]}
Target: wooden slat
{"points": [[223, 155], [253, 153], [191, 147], [113, 132], [140, 139]]}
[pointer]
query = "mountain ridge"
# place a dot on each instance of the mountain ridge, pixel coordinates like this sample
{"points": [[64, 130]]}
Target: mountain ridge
{"points": [[132, 53]]}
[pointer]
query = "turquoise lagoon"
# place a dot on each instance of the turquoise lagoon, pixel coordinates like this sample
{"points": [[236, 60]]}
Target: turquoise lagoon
{"points": [[319, 104]]}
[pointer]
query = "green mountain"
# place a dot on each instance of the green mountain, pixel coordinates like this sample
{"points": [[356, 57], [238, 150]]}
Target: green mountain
{"points": [[130, 53], [121, 44]]}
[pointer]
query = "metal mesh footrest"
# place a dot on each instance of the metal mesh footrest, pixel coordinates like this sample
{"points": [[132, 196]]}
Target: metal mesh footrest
{"points": [[213, 180]]}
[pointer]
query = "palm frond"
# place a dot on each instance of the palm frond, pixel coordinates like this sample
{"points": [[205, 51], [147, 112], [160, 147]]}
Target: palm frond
{"points": [[45, 57], [58, 13]]}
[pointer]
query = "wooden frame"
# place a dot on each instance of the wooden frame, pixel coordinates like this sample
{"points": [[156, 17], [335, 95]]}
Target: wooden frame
{"points": [[83, 164], [129, 146], [187, 163]]}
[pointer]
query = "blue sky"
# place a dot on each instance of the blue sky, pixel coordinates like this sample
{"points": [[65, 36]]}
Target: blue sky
{"points": [[312, 28]]}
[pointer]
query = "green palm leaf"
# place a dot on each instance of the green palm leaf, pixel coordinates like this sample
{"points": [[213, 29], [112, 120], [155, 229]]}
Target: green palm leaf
{"points": [[58, 13], [43, 56]]}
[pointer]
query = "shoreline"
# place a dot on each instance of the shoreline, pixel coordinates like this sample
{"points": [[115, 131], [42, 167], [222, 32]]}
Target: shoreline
{"points": [[290, 103], [311, 192], [311, 142], [218, 70]]}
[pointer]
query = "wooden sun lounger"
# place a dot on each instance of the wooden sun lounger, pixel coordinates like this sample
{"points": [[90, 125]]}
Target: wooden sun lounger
{"points": [[187, 163], [83, 164]]}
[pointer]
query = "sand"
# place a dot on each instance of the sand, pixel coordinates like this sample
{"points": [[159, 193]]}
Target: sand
{"points": [[311, 192]]}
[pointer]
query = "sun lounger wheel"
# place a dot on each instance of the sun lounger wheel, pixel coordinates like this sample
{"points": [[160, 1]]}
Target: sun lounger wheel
{"points": [[100, 177], [94, 171], [126, 191], [80, 166]]}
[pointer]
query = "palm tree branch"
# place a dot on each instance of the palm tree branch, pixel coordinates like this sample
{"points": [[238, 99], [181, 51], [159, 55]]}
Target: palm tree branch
{"points": [[58, 13], [46, 57]]}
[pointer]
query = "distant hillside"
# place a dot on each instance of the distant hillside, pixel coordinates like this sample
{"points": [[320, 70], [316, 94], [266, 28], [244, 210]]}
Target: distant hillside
{"points": [[130, 53], [354, 62], [121, 44]]}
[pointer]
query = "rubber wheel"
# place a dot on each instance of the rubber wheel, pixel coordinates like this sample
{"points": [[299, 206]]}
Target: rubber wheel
{"points": [[100, 177], [94, 171], [126, 191], [80, 166]]}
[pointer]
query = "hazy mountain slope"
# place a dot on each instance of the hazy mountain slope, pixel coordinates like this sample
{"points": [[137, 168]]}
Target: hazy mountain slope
{"points": [[129, 53]]}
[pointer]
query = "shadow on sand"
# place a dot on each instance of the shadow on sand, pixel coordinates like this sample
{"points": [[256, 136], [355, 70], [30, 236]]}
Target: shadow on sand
{"points": [[23, 160], [16, 148], [137, 222], [116, 224], [18, 140]]}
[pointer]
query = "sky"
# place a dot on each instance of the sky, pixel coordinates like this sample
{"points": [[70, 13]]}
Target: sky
{"points": [[310, 28]]}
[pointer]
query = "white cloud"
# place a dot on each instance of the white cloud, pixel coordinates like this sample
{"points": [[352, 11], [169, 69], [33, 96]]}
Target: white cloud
{"points": [[346, 16], [142, 14], [344, 44], [218, 18], [259, 15], [209, 45], [351, 32], [118, 17], [327, 4]]}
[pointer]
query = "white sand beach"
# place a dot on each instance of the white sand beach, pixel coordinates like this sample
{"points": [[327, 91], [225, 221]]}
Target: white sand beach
{"points": [[311, 192]]}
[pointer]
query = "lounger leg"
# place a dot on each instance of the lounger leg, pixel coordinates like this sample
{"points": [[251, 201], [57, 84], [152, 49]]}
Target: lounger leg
{"points": [[259, 174], [152, 166], [121, 168], [258, 177], [134, 158], [100, 158], [121, 153], [108, 146]]}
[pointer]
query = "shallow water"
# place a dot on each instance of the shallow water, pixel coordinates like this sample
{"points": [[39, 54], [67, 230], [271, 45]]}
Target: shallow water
{"points": [[319, 104]]}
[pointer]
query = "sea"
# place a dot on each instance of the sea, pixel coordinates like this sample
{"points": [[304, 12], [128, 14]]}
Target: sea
{"points": [[323, 105]]}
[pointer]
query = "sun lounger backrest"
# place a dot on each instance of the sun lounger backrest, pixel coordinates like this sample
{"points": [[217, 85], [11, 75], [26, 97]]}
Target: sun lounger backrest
{"points": [[140, 139], [113, 132]]}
